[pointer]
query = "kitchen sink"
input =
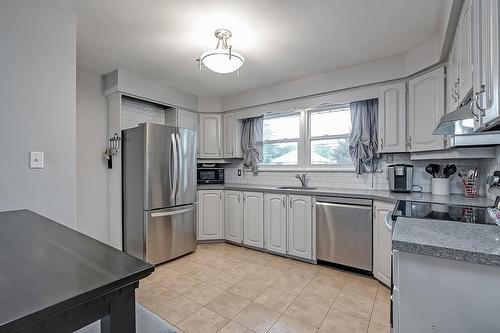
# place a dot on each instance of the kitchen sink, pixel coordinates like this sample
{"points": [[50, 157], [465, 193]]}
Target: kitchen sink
{"points": [[296, 188]]}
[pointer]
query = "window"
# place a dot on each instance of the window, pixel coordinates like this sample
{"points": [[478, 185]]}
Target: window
{"points": [[329, 136], [308, 139], [281, 139]]}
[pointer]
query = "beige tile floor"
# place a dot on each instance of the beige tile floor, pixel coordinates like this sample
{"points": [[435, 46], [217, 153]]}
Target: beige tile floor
{"points": [[227, 288]]}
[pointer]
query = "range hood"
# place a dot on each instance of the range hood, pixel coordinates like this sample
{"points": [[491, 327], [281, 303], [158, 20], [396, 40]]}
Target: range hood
{"points": [[458, 122], [458, 125]]}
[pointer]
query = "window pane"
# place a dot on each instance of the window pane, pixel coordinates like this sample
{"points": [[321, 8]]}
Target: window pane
{"points": [[278, 128], [333, 122], [334, 151], [280, 153]]}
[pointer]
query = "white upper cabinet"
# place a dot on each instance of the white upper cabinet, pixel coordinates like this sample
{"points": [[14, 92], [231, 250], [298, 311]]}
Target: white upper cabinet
{"points": [[392, 118], [275, 221], [464, 43], [486, 58], [300, 226], [187, 119], [232, 136], [233, 216], [210, 215], [210, 136], [253, 219], [381, 242], [425, 108], [452, 81]]}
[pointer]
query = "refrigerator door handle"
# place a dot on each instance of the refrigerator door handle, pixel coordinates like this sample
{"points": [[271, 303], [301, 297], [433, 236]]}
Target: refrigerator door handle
{"points": [[172, 212], [175, 165], [178, 152]]}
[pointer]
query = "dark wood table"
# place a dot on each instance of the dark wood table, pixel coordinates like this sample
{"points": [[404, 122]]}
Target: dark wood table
{"points": [[54, 279]]}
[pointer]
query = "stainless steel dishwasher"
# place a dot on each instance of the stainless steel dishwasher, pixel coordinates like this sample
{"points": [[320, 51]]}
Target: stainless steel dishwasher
{"points": [[344, 231]]}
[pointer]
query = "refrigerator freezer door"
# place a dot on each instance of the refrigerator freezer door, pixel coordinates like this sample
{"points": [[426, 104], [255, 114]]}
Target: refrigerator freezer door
{"points": [[186, 182], [170, 233], [159, 170]]}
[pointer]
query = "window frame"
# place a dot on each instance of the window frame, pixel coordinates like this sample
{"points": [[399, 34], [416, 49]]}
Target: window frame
{"points": [[304, 144], [297, 140], [310, 139]]}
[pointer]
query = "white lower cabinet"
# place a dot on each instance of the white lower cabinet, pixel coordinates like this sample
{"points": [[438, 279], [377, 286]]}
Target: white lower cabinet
{"points": [[210, 214], [233, 216], [253, 219], [275, 221], [381, 242], [300, 226]]}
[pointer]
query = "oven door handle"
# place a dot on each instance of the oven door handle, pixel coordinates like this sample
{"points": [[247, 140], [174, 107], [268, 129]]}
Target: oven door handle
{"points": [[388, 222]]}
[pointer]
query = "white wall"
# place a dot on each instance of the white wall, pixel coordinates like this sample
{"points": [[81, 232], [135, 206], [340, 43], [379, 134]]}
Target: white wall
{"points": [[137, 85], [37, 107], [91, 171], [400, 66], [209, 104]]}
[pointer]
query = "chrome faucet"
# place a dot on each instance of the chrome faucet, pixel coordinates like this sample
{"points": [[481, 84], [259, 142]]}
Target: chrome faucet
{"points": [[302, 179]]}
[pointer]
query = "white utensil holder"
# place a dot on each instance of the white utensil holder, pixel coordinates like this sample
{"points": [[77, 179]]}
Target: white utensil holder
{"points": [[441, 186]]}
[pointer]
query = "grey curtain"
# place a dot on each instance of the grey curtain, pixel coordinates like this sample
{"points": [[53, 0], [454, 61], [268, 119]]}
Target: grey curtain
{"points": [[251, 142], [363, 142]]}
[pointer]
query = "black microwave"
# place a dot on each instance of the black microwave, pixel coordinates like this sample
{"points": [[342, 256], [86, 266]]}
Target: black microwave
{"points": [[210, 175]]}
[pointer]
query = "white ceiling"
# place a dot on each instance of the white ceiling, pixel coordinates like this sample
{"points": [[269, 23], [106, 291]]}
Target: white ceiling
{"points": [[281, 40]]}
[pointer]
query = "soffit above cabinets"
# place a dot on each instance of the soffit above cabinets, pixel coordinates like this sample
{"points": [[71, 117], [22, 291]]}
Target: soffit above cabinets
{"points": [[281, 40]]}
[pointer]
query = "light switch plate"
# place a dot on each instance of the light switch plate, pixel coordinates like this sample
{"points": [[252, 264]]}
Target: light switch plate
{"points": [[36, 160]]}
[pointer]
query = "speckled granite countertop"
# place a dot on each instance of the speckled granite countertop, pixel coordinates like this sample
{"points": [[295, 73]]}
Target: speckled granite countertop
{"points": [[474, 243], [387, 196]]}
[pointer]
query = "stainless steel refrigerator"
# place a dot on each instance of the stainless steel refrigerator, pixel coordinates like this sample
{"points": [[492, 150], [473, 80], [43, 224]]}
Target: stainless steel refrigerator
{"points": [[159, 192]]}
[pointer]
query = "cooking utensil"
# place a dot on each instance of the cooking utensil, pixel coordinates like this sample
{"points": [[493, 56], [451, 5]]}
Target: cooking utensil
{"points": [[452, 170], [435, 169], [449, 170], [430, 170]]}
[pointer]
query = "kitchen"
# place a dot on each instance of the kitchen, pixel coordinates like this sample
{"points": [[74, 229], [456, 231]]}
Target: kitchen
{"points": [[255, 186]]}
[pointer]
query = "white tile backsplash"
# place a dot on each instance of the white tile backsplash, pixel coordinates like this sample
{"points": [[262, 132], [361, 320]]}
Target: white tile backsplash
{"points": [[135, 112], [493, 165], [352, 181]]}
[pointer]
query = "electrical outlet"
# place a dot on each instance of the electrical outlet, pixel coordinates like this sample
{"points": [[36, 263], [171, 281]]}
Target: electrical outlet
{"points": [[36, 160], [239, 172]]}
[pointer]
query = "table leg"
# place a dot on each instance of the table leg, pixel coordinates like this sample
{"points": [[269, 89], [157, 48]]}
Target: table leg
{"points": [[121, 318]]}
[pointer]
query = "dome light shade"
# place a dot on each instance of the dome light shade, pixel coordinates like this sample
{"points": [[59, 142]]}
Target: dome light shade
{"points": [[222, 59]]}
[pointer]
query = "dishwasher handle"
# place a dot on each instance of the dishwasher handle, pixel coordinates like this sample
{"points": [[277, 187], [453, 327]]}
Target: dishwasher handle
{"points": [[328, 204]]}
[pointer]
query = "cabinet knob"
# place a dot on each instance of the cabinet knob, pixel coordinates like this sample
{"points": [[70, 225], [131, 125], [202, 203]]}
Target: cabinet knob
{"points": [[408, 142]]}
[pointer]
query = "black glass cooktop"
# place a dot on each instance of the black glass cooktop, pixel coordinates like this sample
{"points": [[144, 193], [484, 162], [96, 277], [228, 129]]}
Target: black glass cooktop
{"points": [[425, 210]]}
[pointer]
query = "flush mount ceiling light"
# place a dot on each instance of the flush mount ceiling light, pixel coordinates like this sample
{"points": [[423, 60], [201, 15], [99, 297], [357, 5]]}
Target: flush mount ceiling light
{"points": [[221, 59]]}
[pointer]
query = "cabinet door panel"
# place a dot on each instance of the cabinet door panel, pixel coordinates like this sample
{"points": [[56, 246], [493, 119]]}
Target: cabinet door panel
{"points": [[275, 221], [187, 119], [300, 226], [229, 135], [381, 243], [233, 216], [253, 219], [210, 135], [210, 215], [392, 118], [486, 56], [452, 88], [465, 49], [425, 108]]}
